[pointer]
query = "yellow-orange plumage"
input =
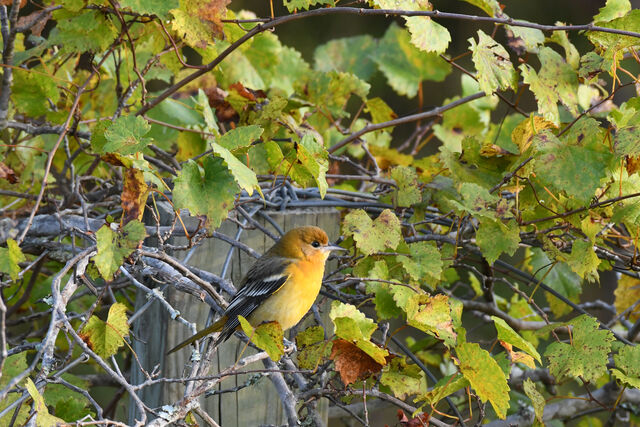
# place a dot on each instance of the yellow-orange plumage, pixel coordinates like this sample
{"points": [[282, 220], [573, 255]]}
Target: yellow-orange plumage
{"points": [[281, 286]]}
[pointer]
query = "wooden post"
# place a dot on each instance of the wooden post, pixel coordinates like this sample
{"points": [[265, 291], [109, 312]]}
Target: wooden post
{"points": [[257, 404]]}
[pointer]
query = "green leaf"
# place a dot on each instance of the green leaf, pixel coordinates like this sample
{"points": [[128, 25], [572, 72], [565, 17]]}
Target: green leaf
{"points": [[210, 193], [508, 335], [570, 51], [495, 70], [427, 34], [403, 379], [313, 157], [495, 238], [490, 7], [379, 110], [203, 107], [292, 5], [245, 177], [312, 348], [160, 8], [628, 363], [613, 9], [369, 267], [91, 31], [107, 337], [44, 418], [627, 141], [610, 44], [114, 247], [330, 91], [348, 55], [405, 66], [531, 37], [408, 192], [10, 257], [373, 236], [443, 388], [484, 375], [586, 354], [194, 28], [240, 137], [126, 135], [436, 315], [575, 165], [556, 81], [537, 399], [424, 261], [34, 92], [583, 260], [267, 336], [69, 404], [352, 325], [13, 366]]}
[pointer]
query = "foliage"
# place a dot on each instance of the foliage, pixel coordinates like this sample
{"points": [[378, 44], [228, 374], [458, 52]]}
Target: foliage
{"points": [[133, 130]]}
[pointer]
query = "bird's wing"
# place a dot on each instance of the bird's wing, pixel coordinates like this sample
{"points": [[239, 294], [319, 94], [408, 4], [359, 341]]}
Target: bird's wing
{"points": [[264, 278]]}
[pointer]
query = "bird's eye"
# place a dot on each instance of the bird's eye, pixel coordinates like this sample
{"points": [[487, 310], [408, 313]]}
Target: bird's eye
{"points": [[315, 244]]}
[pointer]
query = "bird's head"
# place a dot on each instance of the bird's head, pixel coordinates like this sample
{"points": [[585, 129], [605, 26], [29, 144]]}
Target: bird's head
{"points": [[304, 243]]}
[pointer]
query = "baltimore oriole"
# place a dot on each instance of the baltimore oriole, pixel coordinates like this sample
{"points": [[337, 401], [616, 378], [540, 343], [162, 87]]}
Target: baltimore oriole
{"points": [[281, 286]]}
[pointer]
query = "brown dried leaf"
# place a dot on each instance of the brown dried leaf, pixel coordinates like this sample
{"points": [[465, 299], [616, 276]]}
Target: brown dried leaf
{"points": [[418, 421], [36, 29], [213, 12], [7, 173], [10, 2], [134, 195], [352, 363]]}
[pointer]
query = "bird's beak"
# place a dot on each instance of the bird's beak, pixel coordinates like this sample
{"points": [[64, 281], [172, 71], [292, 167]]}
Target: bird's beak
{"points": [[329, 248]]}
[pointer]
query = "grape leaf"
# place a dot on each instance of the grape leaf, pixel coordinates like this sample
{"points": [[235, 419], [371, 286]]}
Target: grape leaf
{"points": [[105, 338], [537, 399], [484, 375], [352, 362], [586, 354], [349, 55], [160, 8], [507, 334], [373, 236], [613, 9], [403, 379], [44, 418], [495, 70], [312, 347], [126, 135], [352, 325], [113, 247], [267, 336], [583, 260], [211, 193], [495, 238], [628, 366], [405, 66], [10, 258], [408, 192], [424, 261]]}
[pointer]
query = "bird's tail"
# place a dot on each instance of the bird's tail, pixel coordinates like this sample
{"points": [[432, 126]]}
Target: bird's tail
{"points": [[216, 327]]}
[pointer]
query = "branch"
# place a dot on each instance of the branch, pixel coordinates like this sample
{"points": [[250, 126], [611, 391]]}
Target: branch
{"points": [[406, 119], [8, 37], [489, 308]]}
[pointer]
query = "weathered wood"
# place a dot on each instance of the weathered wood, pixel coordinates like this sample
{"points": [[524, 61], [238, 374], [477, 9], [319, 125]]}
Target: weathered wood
{"points": [[258, 404]]}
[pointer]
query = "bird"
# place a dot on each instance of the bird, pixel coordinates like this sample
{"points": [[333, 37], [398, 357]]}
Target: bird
{"points": [[280, 286]]}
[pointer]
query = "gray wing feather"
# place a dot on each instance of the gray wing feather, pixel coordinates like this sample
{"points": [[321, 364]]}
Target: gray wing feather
{"points": [[255, 289]]}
